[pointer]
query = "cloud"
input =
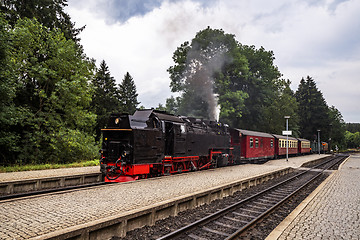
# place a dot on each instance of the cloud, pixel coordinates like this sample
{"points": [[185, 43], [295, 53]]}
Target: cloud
{"points": [[316, 38]]}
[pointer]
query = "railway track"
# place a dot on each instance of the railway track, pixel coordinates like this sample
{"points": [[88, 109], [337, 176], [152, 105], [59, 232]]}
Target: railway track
{"points": [[233, 221], [48, 191]]}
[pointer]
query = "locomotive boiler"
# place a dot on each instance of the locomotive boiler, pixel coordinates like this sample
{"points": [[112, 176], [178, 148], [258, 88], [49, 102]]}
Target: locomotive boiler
{"points": [[153, 143]]}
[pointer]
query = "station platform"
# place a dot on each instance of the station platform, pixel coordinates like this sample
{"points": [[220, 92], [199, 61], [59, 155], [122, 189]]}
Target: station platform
{"points": [[332, 211], [26, 175], [43, 216]]}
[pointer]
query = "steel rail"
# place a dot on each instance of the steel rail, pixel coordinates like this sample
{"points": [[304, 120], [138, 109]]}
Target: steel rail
{"points": [[263, 215], [224, 211], [46, 191]]}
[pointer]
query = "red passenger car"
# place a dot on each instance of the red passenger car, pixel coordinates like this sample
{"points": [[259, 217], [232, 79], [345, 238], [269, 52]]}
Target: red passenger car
{"points": [[280, 145], [251, 146], [304, 146]]}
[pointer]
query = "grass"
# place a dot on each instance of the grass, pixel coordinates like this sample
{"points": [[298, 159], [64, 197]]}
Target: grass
{"points": [[18, 168]]}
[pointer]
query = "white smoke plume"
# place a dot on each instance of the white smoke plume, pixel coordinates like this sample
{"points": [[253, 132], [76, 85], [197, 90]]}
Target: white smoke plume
{"points": [[204, 64]]}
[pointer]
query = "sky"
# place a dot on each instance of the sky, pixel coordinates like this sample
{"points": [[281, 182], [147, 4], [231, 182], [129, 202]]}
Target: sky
{"points": [[320, 39]]}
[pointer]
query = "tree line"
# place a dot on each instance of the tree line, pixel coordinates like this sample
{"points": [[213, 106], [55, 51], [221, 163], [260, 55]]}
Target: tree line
{"points": [[54, 100], [352, 135], [249, 89]]}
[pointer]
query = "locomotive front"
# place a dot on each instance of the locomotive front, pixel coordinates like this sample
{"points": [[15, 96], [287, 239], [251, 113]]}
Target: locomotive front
{"points": [[131, 146]]}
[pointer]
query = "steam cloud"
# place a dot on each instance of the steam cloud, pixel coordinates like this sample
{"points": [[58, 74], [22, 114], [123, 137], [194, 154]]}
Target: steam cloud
{"points": [[201, 80]]}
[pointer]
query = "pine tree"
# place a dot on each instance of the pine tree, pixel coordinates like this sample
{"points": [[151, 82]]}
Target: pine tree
{"points": [[313, 110], [105, 99], [337, 129], [128, 95]]}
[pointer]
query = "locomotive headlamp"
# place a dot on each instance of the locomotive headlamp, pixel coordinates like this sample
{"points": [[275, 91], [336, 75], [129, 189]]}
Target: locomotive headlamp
{"points": [[117, 120]]}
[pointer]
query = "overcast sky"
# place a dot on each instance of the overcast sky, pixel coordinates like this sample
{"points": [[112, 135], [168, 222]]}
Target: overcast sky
{"points": [[316, 38]]}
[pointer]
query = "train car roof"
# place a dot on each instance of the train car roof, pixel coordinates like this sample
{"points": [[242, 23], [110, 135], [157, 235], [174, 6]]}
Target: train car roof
{"points": [[145, 114], [303, 140], [254, 133], [283, 137]]}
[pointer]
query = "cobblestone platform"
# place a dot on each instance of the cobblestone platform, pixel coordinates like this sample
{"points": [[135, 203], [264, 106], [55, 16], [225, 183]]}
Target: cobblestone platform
{"points": [[34, 217], [331, 212], [15, 176]]}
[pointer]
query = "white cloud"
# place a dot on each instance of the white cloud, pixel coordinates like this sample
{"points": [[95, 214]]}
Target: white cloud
{"points": [[320, 40]]}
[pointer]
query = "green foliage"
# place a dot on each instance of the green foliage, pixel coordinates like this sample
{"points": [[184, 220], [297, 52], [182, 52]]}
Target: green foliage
{"points": [[231, 105], [71, 144], [128, 94], [353, 127], [10, 114], [52, 93], [105, 98], [352, 139], [49, 13], [337, 129], [313, 110], [262, 84], [172, 105], [284, 104]]}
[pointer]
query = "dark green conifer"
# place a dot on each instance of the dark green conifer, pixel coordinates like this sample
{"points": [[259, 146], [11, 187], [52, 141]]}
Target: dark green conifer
{"points": [[105, 99], [128, 95], [313, 110]]}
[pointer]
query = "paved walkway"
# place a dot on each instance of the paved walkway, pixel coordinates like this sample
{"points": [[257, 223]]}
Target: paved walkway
{"points": [[27, 218], [14, 176], [332, 213]]}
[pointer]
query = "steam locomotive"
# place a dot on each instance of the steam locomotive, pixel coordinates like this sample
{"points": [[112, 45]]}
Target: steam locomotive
{"points": [[152, 143]]}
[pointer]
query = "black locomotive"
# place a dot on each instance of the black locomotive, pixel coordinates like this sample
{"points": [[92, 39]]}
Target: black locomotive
{"points": [[153, 143]]}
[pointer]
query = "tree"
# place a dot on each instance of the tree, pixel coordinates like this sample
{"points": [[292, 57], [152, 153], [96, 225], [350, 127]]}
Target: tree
{"points": [[172, 105], [285, 104], [51, 75], [202, 69], [313, 110], [128, 95], [50, 13], [216, 69], [263, 87], [336, 129], [353, 127], [105, 98], [10, 114], [352, 139]]}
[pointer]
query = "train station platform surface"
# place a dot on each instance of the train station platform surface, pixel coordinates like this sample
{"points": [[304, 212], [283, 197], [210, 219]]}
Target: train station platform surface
{"points": [[36, 217], [25, 175], [332, 211]]}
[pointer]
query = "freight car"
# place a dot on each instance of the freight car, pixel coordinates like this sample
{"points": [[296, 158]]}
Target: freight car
{"points": [[153, 143]]}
